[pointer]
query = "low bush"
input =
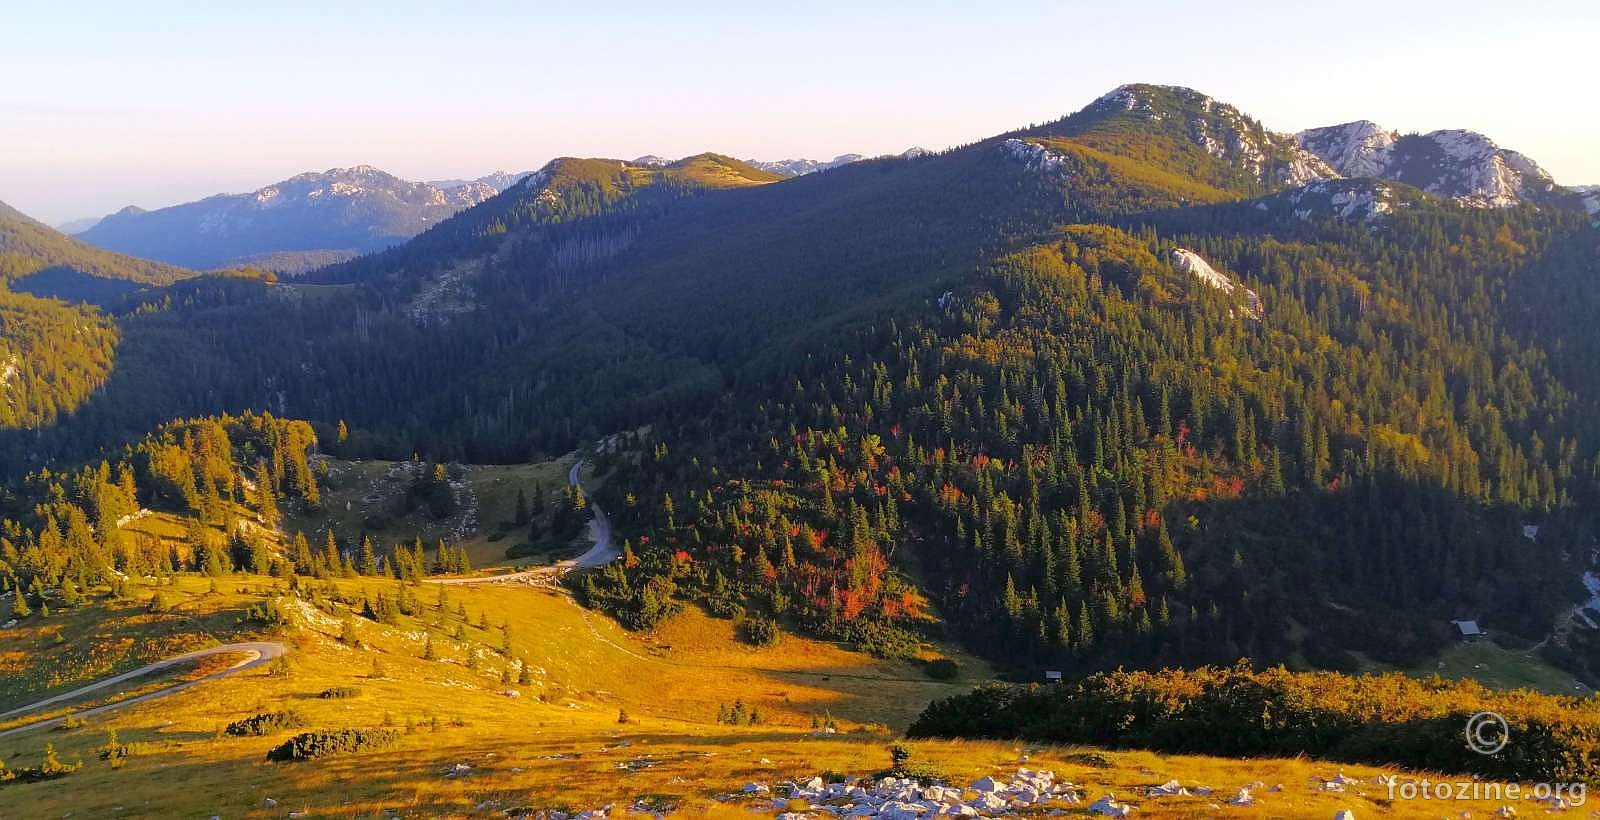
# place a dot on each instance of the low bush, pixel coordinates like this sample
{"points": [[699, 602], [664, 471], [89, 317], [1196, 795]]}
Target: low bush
{"points": [[265, 724], [339, 693], [324, 742], [941, 669], [879, 639], [524, 549], [266, 613], [759, 631], [1237, 712], [49, 768]]}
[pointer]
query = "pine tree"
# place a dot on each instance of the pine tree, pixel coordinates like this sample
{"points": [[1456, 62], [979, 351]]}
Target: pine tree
{"points": [[369, 557], [521, 516]]}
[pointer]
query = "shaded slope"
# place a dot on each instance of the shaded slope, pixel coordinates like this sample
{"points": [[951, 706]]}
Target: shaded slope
{"points": [[28, 247]]}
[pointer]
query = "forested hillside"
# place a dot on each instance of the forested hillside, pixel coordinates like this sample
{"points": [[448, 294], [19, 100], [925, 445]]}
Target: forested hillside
{"points": [[64, 530], [31, 250], [1095, 457], [52, 356], [1140, 386]]}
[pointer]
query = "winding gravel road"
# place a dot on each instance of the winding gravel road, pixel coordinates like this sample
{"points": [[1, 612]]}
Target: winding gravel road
{"points": [[603, 552], [256, 652]]}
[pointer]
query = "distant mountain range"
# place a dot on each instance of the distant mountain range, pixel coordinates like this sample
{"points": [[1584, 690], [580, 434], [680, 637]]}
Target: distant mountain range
{"points": [[303, 221], [498, 180], [74, 226], [800, 167], [315, 219]]}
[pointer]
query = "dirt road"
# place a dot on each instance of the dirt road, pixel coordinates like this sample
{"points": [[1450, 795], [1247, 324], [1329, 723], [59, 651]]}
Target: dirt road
{"points": [[256, 652], [604, 551]]}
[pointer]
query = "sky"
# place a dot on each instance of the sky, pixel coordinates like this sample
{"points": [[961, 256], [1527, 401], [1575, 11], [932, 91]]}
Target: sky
{"points": [[107, 104]]}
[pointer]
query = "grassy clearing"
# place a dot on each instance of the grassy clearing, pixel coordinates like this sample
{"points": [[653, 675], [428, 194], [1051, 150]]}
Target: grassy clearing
{"points": [[40, 657], [558, 742], [137, 687], [360, 494], [1498, 667]]}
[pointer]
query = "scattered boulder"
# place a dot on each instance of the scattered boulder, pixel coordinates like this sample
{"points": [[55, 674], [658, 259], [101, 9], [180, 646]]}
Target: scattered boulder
{"points": [[1109, 807], [1171, 788]]}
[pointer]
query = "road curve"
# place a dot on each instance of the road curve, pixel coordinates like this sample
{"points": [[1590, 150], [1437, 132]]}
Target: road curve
{"points": [[603, 552], [257, 652]]}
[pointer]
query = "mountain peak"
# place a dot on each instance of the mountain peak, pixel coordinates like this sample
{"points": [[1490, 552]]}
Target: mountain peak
{"points": [[1457, 164], [1354, 149], [1131, 96], [1178, 126]]}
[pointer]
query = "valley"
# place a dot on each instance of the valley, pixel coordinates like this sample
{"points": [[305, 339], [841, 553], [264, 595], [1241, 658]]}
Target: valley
{"points": [[716, 487]]}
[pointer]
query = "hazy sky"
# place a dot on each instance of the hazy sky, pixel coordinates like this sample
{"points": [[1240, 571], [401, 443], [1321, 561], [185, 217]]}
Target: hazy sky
{"points": [[110, 103]]}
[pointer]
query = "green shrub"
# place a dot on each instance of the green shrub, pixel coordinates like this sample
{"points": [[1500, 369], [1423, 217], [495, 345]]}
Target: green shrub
{"points": [[265, 724], [759, 631], [1237, 712], [881, 640], [266, 613], [49, 768], [523, 549], [324, 742], [901, 765], [114, 750], [941, 669], [339, 693]]}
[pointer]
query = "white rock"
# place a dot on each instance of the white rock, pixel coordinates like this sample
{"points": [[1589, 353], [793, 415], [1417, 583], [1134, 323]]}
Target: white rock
{"points": [[1171, 788], [986, 784], [897, 810], [756, 788], [1344, 814], [1024, 796], [1243, 798], [1109, 807], [990, 802]]}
